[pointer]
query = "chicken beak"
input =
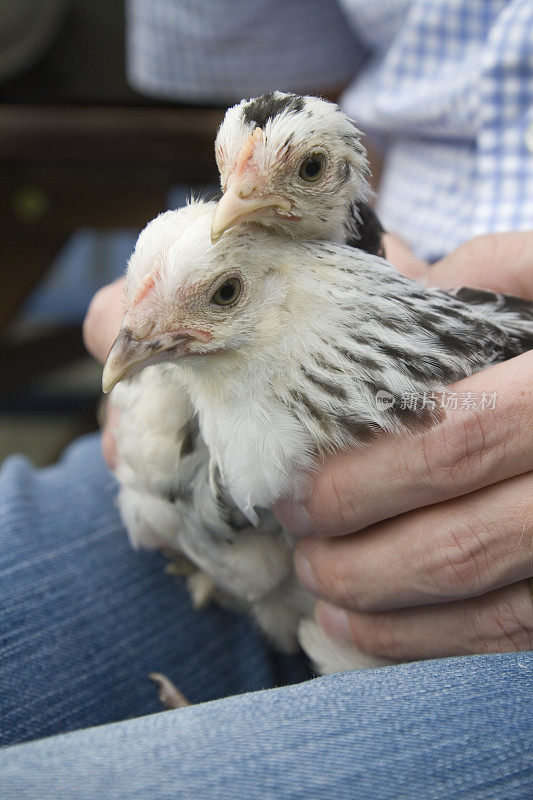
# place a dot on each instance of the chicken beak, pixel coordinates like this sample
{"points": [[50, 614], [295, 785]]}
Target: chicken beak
{"points": [[232, 209], [130, 355]]}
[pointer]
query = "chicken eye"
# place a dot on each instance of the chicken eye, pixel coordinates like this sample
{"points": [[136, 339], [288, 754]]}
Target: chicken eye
{"points": [[312, 167], [227, 293]]}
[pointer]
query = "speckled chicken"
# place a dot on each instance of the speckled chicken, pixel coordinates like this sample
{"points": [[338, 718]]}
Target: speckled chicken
{"points": [[282, 348], [295, 165]]}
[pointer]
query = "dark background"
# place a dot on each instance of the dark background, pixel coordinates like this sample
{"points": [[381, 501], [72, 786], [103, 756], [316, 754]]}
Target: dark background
{"points": [[85, 162]]}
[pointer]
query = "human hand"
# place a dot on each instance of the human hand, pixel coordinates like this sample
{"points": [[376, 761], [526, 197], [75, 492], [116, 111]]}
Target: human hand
{"points": [[102, 321], [100, 328], [431, 537], [398, 253]]}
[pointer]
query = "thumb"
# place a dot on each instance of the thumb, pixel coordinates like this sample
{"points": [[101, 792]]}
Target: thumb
{"points": [[103, 319]]}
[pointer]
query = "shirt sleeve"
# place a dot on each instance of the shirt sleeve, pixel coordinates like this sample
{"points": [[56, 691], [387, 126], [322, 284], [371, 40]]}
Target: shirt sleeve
{"points": [[201, 51], [504, 186]]}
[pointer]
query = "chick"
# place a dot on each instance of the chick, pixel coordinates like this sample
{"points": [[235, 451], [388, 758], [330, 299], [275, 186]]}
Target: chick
{"points": [[283, 348], [296, 165]]}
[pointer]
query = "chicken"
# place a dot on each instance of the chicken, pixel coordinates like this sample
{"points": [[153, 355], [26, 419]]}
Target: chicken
{"points": [[296, 165], [169, 497], [283, 348], [321, 172]]}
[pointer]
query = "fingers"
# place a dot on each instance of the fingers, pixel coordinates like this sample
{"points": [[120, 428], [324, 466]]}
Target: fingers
{"points": [[472, 448], [499, 261], [398, 253], [102, 322], [501, 621], [100, 329], [462, 548]]}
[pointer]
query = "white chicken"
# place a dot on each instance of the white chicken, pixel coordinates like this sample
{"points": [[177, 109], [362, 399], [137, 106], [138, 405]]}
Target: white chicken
{"points": [[282, 348]]}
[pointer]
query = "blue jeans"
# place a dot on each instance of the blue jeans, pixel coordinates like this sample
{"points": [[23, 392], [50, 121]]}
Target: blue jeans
{"points": [[84, 619]]}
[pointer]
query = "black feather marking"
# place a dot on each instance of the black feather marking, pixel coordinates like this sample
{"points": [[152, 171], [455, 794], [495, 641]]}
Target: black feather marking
{"points": [[463, 343], [187, 443], [331, 388], [408, 415], [182, 494], [352, 141], [367, 362], [399, 325], [428, 319], [518, 305], [475, 296], [344, 172], [453, 313], [421, 366], [417, 419], [314, 411], [360, 430], [261, 109], [231, 515], [364, 230], [362, 340], [516, 345], [503, 302], [321, 362]]}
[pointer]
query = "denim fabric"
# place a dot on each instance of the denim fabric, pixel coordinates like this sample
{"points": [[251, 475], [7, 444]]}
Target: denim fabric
{"points": [[439, 730], [84, 618]]}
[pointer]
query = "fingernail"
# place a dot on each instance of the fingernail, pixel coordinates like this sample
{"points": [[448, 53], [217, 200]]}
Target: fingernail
{"points": [[304, 571], [334, 621], [295, 518]]}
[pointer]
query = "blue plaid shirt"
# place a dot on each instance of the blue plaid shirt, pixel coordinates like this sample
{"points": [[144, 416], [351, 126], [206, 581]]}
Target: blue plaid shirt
{"points": [[445, 85]]}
